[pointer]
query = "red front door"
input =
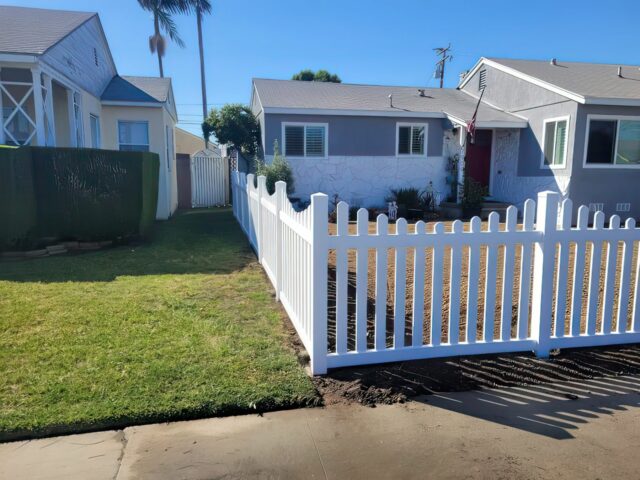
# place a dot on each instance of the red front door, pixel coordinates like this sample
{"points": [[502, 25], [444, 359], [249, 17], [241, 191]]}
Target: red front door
{"points": [[478, 157]]}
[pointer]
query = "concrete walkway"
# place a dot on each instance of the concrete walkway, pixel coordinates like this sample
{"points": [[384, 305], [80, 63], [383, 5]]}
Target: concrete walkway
{"points": [[572, 430]]}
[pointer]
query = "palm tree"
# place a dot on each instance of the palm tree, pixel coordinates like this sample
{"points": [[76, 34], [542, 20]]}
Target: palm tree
{"points": [[162, 22], [202, 7]]}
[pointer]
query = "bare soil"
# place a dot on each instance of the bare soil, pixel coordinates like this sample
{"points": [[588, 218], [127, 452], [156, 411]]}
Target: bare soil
{"points": [[392, 383]]}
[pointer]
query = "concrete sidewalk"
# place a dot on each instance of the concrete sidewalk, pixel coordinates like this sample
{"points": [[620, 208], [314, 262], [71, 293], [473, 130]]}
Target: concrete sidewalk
{"points": [[587, 430]]}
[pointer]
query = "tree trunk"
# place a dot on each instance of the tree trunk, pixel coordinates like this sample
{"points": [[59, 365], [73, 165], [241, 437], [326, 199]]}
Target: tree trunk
{"points": [[156, 28], [202, 77]]}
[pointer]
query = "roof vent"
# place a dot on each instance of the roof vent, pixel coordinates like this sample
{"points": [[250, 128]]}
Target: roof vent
{"points": [[421, 92], [391, 100], [553, 61], [620, 72]]}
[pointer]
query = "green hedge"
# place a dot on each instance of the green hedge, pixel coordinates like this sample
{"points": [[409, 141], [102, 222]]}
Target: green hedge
{"points": [[71, 193]]}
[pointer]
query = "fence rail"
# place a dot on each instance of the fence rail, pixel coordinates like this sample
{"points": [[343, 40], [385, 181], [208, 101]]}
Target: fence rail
{"points": [[357, 296]]}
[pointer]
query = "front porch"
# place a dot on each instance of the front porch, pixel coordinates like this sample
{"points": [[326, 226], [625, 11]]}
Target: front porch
{"points": [[38, 107]]}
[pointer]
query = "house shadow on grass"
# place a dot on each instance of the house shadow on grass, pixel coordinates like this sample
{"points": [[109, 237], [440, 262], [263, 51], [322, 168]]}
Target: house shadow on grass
{"points": [[196, 241]]}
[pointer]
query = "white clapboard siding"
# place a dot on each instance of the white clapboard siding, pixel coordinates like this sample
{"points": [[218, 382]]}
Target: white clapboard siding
{"points": [[209, 179], [293, 248]]}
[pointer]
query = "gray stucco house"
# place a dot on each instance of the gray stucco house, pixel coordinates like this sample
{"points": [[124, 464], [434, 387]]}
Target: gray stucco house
{"points": [[569, 127]]}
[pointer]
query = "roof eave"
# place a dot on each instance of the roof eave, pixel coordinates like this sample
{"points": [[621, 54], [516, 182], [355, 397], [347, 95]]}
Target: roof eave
{"points": [[351, 112], [490, 123], [619, 102]]}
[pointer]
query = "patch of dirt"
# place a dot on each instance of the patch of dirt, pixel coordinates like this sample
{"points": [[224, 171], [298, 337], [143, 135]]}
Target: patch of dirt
{"points": [[397, 382]]}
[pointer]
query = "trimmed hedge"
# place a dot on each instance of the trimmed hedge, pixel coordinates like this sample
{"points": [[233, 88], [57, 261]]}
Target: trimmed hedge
{"points": [[72, 193]]}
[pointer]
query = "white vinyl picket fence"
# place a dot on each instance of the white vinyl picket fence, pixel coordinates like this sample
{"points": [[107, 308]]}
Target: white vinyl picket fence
{"points": [[546, 284], [209, 179]]}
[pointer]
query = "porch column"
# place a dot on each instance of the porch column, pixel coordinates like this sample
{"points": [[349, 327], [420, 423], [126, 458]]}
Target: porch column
{"points": [[73, 140], [2, 139], [51, 128], [463, 148], [39, 107]]}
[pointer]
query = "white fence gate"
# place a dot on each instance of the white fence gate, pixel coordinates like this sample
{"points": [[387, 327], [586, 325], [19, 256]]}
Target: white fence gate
{"points": [[209, 179], [545, 284]]}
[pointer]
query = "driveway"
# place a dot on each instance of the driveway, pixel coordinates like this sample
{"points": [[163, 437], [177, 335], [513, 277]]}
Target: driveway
{"points": [[586, 429]]}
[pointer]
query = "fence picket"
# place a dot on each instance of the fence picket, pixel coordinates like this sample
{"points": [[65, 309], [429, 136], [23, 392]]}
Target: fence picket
{"points": [[417, 313], [507, 277], [381, 285], [561, 274], [625, 280], [454, 285], [361, 282], [473, 278], [578, 272], [400, 288], [341, 279], [490, 282], [611, 256], [594, 275], [436, 285]]}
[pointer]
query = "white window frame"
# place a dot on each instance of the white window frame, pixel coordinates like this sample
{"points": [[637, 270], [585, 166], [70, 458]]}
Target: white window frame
{"points": [[426, 140], [133, 121], [562, 165], [304, 140], [99, 135], [612, 165]]}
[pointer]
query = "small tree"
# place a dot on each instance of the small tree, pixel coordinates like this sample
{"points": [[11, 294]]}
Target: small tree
{"points": [[236, 125], [319, 76], [278, 170]]}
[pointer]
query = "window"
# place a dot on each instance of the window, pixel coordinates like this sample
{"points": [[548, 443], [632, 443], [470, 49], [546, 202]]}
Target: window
{"points": [[94, 122], [305, 140], [482, 79], [411, 140], [613, 142], [133, 136], [554, 140]]}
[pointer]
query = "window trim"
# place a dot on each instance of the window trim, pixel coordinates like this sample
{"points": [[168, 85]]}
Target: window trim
{"points": [[563, 165], [148, 144], [99, 133], [426, 139], [304, 139], [612, 165]]}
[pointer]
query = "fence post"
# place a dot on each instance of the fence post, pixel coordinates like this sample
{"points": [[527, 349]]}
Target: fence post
{"points": [[262, 192], [318, 288], [281, 196], [544, 260]]}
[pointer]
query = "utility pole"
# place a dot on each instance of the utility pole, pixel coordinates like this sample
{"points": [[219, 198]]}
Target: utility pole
{"points": [[443, 53]]}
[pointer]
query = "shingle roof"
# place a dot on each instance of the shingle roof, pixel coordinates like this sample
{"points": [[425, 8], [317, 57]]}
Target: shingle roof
{"points": [[589, 80], [293, 94], [137, 89], [34, 30]]}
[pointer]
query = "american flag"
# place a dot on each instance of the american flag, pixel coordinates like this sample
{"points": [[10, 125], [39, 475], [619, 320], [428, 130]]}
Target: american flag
{"points": [[471, 124]]}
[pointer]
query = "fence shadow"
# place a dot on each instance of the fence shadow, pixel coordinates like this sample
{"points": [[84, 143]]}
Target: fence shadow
{"points": [[196, 241], [553, 410]]}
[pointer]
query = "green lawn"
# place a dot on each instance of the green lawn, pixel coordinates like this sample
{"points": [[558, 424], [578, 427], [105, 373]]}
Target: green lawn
{"points": [[183, 327]]}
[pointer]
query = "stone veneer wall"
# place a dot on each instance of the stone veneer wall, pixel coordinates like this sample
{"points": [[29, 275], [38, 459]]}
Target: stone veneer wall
{"points": [[507, 186], [365, 181]]}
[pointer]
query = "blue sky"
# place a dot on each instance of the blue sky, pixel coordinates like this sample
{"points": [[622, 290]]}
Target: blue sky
{"points": [[363, 41]]}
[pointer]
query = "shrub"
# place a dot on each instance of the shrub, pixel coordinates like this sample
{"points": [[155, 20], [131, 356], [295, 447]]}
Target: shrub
{"points": [[409, 197], [473, 193], [278, 170]]}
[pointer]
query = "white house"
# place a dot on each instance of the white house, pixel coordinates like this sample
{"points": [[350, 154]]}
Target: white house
{"points": [[59, 87]]}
